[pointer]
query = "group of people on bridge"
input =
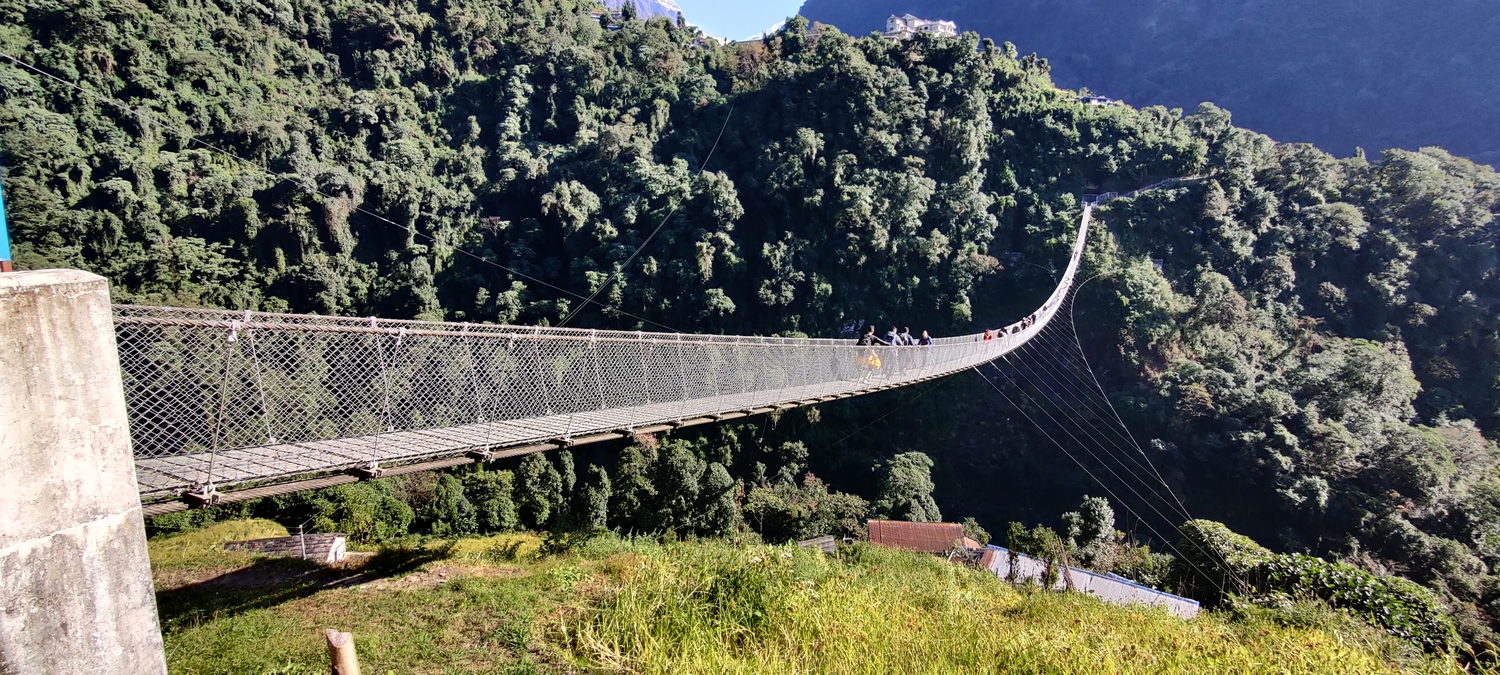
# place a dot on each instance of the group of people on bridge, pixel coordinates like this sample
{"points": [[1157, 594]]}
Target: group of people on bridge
{"points": [[894, 338], [989, 334], [870, 361]]}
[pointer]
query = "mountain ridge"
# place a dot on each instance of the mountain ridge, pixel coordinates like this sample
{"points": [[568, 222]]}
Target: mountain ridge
{"points": [[649, 9], [1341, 75]]}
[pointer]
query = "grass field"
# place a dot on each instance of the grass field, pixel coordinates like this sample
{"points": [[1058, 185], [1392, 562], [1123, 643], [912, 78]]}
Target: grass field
{"points": [[496, 605]]}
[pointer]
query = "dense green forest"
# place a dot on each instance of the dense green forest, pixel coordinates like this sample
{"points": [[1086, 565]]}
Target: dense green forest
{"points": [[1314, 363], [1340, 74]]}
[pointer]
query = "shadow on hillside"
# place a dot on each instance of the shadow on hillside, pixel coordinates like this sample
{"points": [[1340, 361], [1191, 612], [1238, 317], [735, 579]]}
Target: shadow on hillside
{"points": [[269, 582]]}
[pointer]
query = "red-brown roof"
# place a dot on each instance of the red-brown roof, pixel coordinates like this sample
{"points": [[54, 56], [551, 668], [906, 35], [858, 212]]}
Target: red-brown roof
{"points": [[927, 537]]}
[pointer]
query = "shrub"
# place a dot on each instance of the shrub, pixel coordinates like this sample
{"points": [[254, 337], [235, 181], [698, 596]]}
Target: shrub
{"points": [[787, 512], [193, 519], [1213, 561], [366, 511], [1398, 606]]}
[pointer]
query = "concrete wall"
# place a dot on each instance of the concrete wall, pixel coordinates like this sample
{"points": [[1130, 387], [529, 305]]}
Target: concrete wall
{"points": [[1109, 588], [75, 583]]}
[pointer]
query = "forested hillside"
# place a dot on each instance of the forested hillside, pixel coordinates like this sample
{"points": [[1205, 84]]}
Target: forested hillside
{"points": [[1315, 363], [1343, 74]]}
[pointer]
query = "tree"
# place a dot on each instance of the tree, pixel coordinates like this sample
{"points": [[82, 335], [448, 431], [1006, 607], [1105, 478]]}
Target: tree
{"points": [[1090, 531], [634, 495], [492, 494], [552, 485], [566, 473], [1041, 543], [1093, 524], [450, 514], [720, 509], [793, 455], [679, 473], [973, 531], [788, 512], [593, 506], [1308, 311], [906, 489], [536, 493]]}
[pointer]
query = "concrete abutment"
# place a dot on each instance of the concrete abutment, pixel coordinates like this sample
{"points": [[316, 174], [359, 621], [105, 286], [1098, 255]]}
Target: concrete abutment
{"points": [[75, 580]]}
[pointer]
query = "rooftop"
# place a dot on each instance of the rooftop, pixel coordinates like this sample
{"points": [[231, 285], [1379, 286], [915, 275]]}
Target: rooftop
{"points": [[925, 537]]}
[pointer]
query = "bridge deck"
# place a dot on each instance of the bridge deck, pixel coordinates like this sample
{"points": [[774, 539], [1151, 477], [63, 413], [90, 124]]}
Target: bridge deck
{"points": [[249, 464], [220, 398]]}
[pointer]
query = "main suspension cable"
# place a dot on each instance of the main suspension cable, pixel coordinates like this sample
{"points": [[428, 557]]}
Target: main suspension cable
{"points": [[1105, 486], [1060, 400], [1079, 418]]}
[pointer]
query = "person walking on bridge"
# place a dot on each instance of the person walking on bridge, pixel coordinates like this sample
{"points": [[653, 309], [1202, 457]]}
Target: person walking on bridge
{"points": [[870, 361], [894, 337], [925, 341], [906, 338]]}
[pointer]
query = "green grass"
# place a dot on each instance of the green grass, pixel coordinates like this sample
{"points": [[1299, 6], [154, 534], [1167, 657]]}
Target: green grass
{"points": [[204, 548], [495, 605]]}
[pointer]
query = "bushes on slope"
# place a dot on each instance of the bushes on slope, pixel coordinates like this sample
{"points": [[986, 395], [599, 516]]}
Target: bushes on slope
{"points": [[1398, 606], [1216, 563]]}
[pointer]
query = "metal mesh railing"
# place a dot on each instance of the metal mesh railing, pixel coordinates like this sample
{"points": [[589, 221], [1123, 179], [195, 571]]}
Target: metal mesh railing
{"points": [[219, 398]]}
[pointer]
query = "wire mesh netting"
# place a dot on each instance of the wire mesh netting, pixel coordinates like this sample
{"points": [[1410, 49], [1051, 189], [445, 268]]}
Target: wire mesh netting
{"points": [[219, 398]]}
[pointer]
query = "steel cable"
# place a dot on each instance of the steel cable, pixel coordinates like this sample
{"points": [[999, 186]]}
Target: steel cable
{"points": [[191, 138], [1093, 477]]}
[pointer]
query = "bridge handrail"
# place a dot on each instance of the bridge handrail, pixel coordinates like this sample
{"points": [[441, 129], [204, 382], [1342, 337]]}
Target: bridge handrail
{"points": [[222, 397]]}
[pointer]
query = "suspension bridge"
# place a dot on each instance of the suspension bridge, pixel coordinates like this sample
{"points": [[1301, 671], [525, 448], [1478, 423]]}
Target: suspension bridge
{"points": [[226, 406]]}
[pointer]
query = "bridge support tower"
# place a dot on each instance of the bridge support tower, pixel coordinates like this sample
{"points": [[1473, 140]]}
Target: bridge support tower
{"points": [[75, 582]]}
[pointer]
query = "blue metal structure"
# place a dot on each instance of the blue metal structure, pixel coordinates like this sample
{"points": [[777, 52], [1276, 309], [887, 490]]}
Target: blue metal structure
{"points": [[5, 265]]}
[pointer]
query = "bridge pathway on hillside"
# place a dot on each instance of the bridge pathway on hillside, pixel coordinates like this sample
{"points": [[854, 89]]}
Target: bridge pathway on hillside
{"points": [[257, 401]]}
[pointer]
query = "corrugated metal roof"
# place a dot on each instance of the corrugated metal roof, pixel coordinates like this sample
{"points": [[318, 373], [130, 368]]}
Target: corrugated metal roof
{"points": [[926, 537]]}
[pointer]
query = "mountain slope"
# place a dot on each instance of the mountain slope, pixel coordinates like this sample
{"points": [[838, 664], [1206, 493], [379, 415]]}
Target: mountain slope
{"points": [[635, 606], [505, 156], [1341, 74]]}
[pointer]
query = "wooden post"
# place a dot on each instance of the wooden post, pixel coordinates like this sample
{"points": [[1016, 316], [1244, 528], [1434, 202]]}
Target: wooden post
{"points": [[1067, 566], [341, 652]]}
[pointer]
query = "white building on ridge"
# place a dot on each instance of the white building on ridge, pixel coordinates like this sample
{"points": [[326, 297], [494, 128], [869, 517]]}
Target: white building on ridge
{"points": [[903, 27]]}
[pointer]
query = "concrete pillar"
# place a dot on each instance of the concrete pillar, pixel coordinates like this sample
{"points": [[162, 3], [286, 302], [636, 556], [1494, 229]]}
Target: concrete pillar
{"points": [[75, 583]]}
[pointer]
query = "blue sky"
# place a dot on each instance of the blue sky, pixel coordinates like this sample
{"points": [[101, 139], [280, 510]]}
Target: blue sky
{"points": [[737, 19]]}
